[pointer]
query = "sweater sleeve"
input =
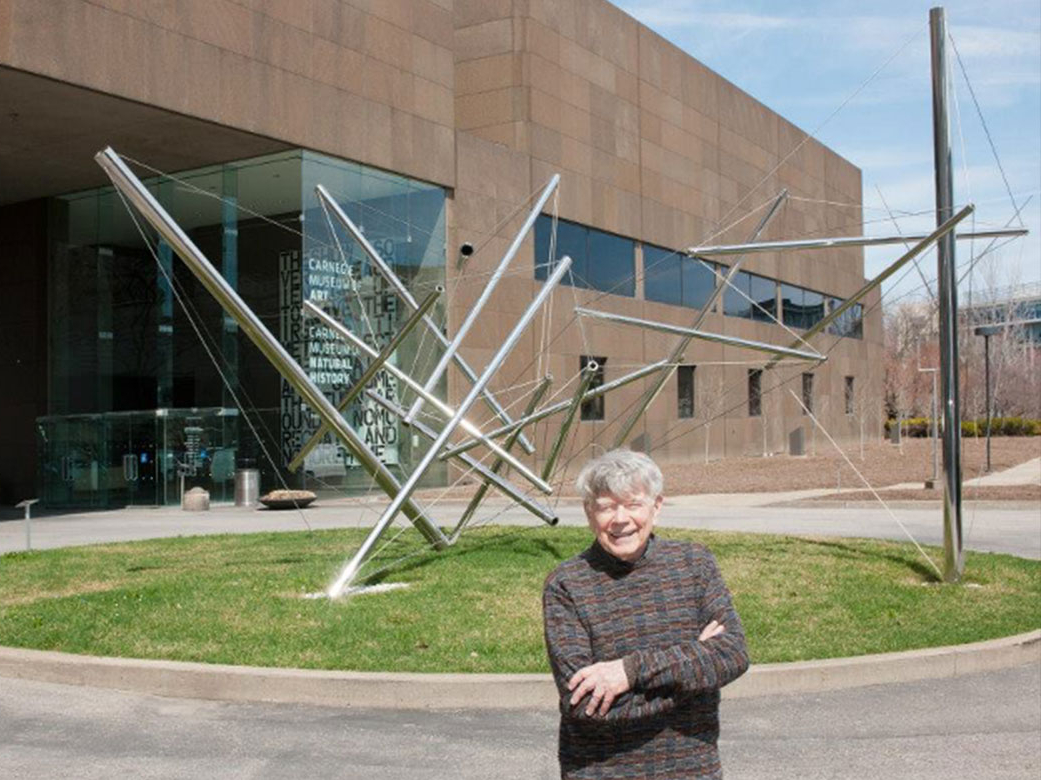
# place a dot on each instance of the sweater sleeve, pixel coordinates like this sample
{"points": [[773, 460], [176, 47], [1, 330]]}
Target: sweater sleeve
{"points": [[569, 648], [699, 666]]}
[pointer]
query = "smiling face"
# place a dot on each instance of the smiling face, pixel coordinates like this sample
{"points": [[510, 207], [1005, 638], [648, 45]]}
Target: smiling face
{"points": [[623, 523]]}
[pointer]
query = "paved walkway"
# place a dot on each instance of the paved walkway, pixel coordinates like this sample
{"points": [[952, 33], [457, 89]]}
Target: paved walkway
{"points": [[988, 528], [1028, 473], [981, 725]]}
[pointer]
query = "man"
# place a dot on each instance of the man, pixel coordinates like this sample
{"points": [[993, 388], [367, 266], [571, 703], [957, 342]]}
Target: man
{"points": [[641, 635]]}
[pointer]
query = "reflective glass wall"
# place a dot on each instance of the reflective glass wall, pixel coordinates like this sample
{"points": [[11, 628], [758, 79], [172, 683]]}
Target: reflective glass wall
{"points": [[152, 386]]}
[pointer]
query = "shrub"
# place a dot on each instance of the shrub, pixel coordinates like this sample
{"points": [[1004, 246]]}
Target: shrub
{"points": [[921, 427]]}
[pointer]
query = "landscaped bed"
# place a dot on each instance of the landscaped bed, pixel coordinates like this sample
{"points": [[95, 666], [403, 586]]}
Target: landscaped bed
{"points": [[476, 607], [823, 467]]}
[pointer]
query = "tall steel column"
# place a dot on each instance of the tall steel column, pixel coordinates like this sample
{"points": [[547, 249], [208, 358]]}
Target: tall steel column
{"points": [[953, 563]]}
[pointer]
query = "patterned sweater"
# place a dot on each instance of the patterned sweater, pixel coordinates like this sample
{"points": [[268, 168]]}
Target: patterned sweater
{"points": [[649, 613]]}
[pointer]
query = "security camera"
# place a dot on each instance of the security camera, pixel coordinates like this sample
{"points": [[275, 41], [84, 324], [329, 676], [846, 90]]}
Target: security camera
{"points": [[465, 250]]}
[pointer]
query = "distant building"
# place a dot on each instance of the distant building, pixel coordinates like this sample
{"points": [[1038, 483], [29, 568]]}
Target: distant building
{"points": [[431, 122], [1019, 306]]}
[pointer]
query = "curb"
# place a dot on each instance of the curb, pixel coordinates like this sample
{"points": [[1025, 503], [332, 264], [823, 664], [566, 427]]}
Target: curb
{"points": [[377, 690], [986, 504]]}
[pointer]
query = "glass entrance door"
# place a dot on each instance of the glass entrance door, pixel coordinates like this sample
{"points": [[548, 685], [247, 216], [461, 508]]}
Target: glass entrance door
{"points": [[131, 463], [72, 454]]}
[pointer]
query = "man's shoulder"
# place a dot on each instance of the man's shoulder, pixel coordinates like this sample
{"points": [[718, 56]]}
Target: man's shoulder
{"points": [[678, 549], [565, 571]]}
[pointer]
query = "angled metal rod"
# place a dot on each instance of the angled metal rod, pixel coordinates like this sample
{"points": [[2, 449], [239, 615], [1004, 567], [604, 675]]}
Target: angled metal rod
{"points": [[442, 438], [127, 183], [490, 477], [399, 287], [486, 293], [548, 411], [838, 243], [344, 333], [370, 372], [891, 269], [588, 373], [719, 338], [681, 346], [482, 490]]}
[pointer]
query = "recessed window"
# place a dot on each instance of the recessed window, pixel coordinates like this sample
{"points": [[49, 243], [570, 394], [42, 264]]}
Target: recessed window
{"points": [[849, 323], [736, 301], [807, 392], [594, 409], [699, 281], [755, 392], [850, 396], [685, 392], [763, 293], [599, 261], [662, 275], [672, 277]]}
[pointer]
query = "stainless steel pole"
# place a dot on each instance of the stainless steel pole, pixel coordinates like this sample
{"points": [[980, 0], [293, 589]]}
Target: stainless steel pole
{"points": [[486, 293], [839, 243], [948, 300], [370, 371], [343, 332], [560, 406], [428, 457], [691, 333], [399, 287], [588, 373], [125, 181], [490, 477], [681, 346], [482, 490], [888, 271]]}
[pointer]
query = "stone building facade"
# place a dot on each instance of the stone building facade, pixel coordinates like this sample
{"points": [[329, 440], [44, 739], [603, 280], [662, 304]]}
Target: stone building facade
{"points": [[447, 116]]}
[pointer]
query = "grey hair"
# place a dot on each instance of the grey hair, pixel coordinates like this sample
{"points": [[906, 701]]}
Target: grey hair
{"points": [[619, 472]]}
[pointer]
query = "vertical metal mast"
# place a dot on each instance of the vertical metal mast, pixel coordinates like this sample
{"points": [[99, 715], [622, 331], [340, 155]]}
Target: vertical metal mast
{"points": [[953, 563]]}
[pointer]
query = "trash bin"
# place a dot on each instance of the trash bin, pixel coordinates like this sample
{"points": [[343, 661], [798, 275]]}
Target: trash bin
{"points": [[797, 442], [247, 487]]}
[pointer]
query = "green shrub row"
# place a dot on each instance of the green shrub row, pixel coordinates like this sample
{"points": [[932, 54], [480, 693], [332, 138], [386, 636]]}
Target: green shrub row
{"points": [[919, 427]]}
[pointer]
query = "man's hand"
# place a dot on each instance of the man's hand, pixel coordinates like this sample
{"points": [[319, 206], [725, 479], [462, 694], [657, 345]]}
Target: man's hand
{"points": [[715, 628], [603, 682]]}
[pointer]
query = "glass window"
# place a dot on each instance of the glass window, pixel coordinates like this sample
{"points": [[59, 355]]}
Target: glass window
{"points": [[611, 265], [571, 240], [850, 397], [685, 392], [594, 409], [662, 275], [792, 306], [123, 344], [807, 392], [856, 326], [849, 323], [836, 326], [736, 301], [813, 308], [599, 261], [763, 292], [699, 281], [755, 392]]}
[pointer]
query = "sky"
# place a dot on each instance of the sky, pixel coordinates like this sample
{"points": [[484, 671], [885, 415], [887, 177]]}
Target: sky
{"points": [[857, 76]]}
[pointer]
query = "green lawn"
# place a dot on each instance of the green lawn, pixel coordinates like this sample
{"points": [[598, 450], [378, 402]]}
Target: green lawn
{"points": [[475, 607]]}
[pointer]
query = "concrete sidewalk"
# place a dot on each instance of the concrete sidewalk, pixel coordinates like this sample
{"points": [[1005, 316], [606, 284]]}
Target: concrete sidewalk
{"points": [[1028, 473]]}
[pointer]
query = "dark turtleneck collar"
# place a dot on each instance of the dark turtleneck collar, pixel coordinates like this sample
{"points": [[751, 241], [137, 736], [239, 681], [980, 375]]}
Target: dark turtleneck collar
{"points": [[598, 554]]}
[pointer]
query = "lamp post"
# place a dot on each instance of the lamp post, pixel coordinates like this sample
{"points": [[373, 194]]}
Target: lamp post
{"points": [[931, 483], [987, 331]]}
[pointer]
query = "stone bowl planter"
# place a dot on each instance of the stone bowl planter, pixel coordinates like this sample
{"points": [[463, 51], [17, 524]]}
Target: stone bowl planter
{"points": [[287, 499]]}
